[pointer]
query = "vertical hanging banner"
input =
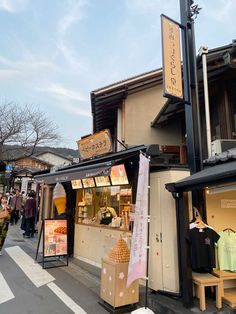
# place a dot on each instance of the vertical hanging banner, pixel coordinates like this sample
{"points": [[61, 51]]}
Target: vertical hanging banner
{"points": [[171, 56], [138, 253]]}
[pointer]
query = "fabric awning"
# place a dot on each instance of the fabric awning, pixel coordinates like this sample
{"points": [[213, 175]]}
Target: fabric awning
{"points": [[94, 170]]}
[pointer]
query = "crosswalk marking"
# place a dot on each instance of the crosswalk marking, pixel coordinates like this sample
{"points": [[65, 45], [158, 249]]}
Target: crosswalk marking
{"points": [[39, 277], [33, 270], [5, 291], [66, 299]]}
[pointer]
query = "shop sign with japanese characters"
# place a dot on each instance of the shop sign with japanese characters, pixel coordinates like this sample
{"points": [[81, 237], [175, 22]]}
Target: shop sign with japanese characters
{"points": [[172, 73], [95, 145]]}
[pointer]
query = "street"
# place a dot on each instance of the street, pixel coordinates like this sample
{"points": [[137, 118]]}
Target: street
{"points": [[28, 289]]}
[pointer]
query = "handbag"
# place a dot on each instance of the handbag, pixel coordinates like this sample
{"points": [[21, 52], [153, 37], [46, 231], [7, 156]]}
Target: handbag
{"points": [[4, 214]]}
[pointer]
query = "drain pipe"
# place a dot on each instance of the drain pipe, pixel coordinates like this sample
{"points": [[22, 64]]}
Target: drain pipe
{"points": [[203, 51]]}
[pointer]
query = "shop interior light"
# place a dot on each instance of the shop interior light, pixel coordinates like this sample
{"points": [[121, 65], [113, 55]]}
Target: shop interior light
{"points": [[221, 189]]}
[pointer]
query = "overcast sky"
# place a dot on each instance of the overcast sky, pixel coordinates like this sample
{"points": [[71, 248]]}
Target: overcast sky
{"points": [[53, 53]]}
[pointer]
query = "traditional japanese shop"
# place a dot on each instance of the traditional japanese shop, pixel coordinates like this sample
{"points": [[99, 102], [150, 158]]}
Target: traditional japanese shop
{"points": [[212, 230], [100, 194]]}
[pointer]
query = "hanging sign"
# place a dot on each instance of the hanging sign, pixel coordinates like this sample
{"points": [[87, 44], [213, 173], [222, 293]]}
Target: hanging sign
{"points": [[138, 253], [95, 145], [171, 56], [24, 184]]}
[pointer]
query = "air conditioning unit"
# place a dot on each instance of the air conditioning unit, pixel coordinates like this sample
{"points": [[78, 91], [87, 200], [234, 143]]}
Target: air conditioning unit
{"points": [[219, 146]]}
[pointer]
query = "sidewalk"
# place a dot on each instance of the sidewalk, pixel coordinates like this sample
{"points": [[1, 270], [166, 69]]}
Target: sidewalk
{"points": [[89, 276]]}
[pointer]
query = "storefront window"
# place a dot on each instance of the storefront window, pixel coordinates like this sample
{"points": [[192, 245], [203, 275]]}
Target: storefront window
{"points": [[89, 202]]}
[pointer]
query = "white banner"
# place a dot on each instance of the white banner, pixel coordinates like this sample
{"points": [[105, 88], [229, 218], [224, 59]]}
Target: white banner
{"points": [[24, 184], [138, 254]]}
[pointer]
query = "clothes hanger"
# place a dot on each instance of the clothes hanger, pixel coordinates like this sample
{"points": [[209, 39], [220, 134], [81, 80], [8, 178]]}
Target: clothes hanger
{"points": [[229, 229], [201, 225]]}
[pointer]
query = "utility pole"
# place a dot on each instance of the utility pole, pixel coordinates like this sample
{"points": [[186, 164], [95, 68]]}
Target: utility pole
{"points": [[188, 11]]}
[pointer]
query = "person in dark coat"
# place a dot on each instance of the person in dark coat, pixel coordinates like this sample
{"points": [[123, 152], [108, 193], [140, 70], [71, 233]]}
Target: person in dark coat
{"points": [[29, 214]]}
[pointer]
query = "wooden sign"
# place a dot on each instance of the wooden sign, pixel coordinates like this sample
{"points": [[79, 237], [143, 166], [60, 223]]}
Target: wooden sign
{"points": [[95, 145], [172, 74]]}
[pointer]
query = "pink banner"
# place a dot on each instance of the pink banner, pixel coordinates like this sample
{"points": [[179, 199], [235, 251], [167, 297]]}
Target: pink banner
{"points": [[138, 254]]}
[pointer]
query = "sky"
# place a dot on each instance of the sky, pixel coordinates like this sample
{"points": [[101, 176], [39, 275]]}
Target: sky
{"points": [[53, 53]]}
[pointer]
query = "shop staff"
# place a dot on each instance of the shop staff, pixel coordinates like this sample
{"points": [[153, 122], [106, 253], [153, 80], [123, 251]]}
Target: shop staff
{"points": [[105, 214]]}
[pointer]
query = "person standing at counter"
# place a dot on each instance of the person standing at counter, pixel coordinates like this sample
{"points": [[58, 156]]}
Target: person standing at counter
{"points": [[105, 214]]}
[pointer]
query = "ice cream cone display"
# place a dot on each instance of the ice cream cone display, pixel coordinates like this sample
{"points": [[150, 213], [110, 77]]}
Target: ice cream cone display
{"points": [[120, 253], [59, 198]]}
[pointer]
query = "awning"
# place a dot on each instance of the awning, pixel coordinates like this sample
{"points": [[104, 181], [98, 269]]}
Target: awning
{"points": [[215, 175], [95, 170], [171, 110]]}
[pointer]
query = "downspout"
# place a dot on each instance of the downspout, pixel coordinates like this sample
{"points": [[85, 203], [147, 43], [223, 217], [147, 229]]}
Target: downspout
{"points": [[203, 51]]}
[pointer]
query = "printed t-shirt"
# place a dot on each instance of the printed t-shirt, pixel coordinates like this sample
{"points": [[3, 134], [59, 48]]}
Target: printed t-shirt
{"points": [[202, 243], [227, 251]]}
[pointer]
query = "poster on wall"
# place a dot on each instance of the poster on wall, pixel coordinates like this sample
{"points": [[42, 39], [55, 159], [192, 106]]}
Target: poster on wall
{"points": [[55, 237], [118, 175]]}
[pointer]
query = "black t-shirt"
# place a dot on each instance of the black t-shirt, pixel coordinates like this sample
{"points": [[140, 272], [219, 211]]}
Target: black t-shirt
{"points": [[202, 243]]}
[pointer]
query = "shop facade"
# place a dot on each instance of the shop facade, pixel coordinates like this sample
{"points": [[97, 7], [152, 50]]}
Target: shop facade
{"points": [[216, 183], [122, 108], [112, 180]]}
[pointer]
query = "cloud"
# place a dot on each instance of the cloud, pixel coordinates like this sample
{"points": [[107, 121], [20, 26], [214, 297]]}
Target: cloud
{"points": [[152, 7], [9, 74], [69, 55], [223, 10], [74, 14], [13, 6], [66, 98], [75, 110], [25, 68], [60, 91]]}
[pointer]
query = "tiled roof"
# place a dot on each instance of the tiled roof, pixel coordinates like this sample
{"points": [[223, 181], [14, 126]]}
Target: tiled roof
{"points": [[228, 155]]}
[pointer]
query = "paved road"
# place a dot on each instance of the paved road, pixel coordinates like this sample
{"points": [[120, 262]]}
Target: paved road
{"points": [[27, 289]]}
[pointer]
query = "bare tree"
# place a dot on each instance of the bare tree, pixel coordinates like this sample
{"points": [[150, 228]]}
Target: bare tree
{"points": [[26, 127]]}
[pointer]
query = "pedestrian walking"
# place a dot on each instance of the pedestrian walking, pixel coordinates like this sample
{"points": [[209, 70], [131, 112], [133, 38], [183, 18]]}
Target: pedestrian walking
{"points": [[29, 215], [16, 206], [9, 197], [4, 221]]}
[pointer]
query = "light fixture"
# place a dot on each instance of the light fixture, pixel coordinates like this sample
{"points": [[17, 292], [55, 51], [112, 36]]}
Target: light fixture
{"points": [[221, 189]]}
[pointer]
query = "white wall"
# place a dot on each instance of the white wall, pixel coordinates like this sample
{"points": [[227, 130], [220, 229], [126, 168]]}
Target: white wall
{"points": [[54, 159]]}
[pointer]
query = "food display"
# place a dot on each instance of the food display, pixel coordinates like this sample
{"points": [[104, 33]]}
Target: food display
{"points": [[61, 230], [59, 198], [120, 253]]}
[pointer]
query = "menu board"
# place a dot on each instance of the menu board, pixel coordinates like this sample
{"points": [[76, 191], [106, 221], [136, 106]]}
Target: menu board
{"points": [[118, 175], [88, 183], [102, 181], [55, 237], [76, 184]]}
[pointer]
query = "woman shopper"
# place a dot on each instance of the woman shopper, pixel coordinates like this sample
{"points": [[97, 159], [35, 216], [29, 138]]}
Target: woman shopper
{"points": [[17, 206], [29, 214], [5, 211]]}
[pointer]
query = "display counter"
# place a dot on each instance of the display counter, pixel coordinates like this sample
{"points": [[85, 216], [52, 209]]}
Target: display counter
{"points": [[93, 241]]}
